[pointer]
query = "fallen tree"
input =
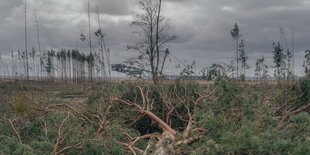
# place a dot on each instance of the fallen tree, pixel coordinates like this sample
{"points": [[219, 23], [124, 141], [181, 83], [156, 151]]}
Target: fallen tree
{"points": [[169, 139]]}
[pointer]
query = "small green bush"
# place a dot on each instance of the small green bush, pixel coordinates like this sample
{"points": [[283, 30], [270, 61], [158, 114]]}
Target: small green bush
{"points": [[21, 105]]}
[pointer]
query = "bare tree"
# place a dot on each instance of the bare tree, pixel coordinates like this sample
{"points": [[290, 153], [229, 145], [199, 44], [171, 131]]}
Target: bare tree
{"points": [[235, 33], [103, 48], [153, 29], [90, 45], [26, 44], [39, 44]]}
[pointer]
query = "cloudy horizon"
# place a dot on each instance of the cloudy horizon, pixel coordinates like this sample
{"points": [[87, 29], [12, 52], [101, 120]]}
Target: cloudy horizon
{"points": [[202, 27]]}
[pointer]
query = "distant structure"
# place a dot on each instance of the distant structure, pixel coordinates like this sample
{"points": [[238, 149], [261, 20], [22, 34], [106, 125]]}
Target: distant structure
{"points": [[131, 71]]}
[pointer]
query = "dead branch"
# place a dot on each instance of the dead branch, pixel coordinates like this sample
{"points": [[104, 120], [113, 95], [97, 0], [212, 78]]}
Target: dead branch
{"points": [[16, 130], [189, 123], [59, 134], [191, 115], [189, 140], [131, 148], [143, 137], [70, 107], [200, 130], [168, 117], [163, 125], [204, 97], [38, 106], [102, 122], [143, 97], [301, 109], [136, 118], [44, 127], [297, 111], [74, 146]]}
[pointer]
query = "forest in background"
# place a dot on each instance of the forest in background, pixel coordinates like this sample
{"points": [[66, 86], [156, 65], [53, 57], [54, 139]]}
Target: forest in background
{"points": [[150, 54]]}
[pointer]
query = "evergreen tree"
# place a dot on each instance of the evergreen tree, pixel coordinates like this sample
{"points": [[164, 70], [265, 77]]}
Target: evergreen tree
{"points": [[235, 33], [49, 65], [261, 70], [278, 60], [243, 59]]}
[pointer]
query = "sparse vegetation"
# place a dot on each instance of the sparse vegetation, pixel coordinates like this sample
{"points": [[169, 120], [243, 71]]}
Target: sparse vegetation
{"points": [[70, 114], [174, 118]]}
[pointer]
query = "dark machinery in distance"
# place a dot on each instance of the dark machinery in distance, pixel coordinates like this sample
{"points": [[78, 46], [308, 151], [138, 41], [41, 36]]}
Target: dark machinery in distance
{"points": [[130, 70], [134, 71], [145, 74]]}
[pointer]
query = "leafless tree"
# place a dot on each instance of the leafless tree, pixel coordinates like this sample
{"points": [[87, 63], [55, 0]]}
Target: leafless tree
{"points": [[26, 43], [235, 33], [39, 44], [152, 27], [89, 38]]}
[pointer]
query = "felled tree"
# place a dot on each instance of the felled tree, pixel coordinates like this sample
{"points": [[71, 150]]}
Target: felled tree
{"points": [[172, 103]]}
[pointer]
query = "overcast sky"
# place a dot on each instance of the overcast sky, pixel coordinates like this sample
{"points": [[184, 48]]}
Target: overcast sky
{"points": [[202, 26]]}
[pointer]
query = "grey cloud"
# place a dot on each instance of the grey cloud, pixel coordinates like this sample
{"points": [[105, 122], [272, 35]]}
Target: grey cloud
{"points": [[6, 5], [202, 26], [110, 7]]}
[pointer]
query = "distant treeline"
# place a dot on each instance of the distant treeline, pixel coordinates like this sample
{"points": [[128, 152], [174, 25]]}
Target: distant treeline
{"points": [[63, 64]]}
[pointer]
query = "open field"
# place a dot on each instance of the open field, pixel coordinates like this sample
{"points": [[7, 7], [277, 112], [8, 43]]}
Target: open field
{"points": [[175, 117]]}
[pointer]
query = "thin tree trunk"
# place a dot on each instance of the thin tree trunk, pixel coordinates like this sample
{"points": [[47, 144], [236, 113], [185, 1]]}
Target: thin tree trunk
{"points": [[90, 45], [109, 62], [165, 57], [39, 44], [237, 43], [102, 47], [293, 51], [157, 43], [26, 44]]}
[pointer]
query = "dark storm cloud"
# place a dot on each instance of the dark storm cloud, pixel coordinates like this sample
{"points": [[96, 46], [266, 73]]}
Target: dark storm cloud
{"points": [[202, 26]]}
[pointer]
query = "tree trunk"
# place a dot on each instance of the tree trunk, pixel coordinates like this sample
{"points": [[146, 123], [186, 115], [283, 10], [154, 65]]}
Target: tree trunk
{"points": [[157, 43], [237, 58]]}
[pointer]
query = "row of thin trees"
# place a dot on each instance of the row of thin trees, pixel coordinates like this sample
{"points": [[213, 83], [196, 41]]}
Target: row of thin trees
{"points": [[63, 65], [153, 30], [283, 61]]}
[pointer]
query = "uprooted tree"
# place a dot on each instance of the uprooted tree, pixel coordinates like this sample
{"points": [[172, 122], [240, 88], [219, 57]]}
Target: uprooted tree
{"points": [[152, 27], [175, 123]]}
